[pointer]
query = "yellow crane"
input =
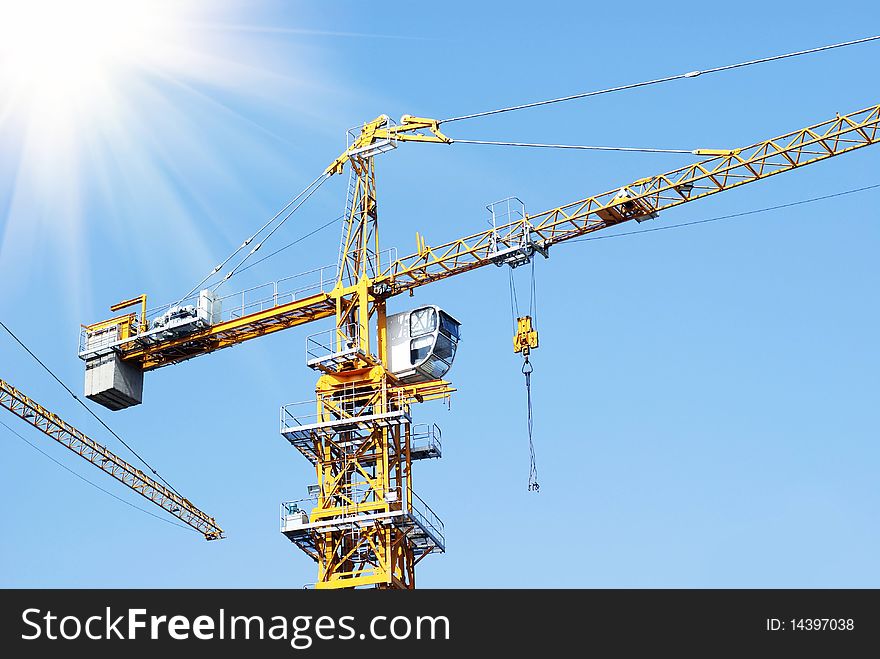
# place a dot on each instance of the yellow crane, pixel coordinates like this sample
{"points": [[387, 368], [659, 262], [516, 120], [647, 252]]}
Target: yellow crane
{"points": [[367, 526], [100, 456]]}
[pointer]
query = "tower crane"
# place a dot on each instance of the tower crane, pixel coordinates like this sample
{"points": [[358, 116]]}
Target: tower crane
{"points": [[100, 456], [366, 525]]}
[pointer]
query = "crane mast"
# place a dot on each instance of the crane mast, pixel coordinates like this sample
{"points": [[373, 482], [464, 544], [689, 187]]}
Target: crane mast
{"points": [[367, 525]]}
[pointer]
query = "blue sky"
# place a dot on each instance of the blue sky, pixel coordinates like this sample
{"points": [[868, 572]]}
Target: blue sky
{"points": [[705, 398]]}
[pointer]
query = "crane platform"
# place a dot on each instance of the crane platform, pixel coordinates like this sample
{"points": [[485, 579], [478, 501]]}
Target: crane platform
{"points": [[303, 433], [421, 525], [425, 442], [303, 429], [332, 349]]}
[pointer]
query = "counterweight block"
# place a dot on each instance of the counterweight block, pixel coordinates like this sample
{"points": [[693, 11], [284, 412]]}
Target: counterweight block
{"points": [[114, 383]]}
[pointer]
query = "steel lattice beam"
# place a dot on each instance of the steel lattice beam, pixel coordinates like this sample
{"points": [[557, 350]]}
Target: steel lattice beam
{"points": [[643, 197], [634, 201], [65, 434]]}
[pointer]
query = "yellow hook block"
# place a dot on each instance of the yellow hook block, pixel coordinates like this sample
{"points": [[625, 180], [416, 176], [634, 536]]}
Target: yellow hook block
{"points": [[526, 338]]}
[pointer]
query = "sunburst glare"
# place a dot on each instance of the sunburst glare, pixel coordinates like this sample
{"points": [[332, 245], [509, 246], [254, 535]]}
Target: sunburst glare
{"points": [[110, 103], [69, 50]]}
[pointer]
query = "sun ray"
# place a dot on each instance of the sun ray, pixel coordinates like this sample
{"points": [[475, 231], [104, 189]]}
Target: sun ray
{"points": [[109, 115]]}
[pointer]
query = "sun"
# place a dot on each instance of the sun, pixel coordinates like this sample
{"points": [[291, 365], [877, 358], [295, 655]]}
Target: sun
{"points": [[110, 116], [65, 65], [67, 53]]}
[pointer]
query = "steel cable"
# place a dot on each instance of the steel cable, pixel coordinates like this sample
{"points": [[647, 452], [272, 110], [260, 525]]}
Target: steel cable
{"points": [[89, 410], [690, 74]]}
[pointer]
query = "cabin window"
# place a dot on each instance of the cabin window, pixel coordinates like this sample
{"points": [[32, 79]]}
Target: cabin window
{"points": [[420, 348], [444, 348], [451, 327], [422, 321]]}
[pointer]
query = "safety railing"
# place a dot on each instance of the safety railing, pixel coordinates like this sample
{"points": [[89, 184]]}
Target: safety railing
{"points": [[98, 340], [292, 512], [425, 517], [248, 301], [275, 293], [299, 413], [420, 512], [340, 341], [265, 296], [425, 438], [503, 213], [305, 412], [282, 291], [234, 305]]}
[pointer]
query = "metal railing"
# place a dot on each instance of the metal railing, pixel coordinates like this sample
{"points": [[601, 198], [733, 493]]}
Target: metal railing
{"points": [[267, 295], [503, 213], [275, 293], [250, 300], [419, 511], [374, 263], [333, 341], [305, 412], [99, 340], [291, 508], [235, 305], [426, 518], [425, 437], [299, 413]]}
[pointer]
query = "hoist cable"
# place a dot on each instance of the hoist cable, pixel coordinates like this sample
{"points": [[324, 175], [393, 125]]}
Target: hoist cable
{"points": [[533, 301], [527, 365], [88, 409], [533, 312], [316, 184], [533, 467], [690, 74], [514, 303]]}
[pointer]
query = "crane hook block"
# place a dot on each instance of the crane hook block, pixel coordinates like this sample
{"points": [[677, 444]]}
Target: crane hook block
{"points": [[526, 338]]}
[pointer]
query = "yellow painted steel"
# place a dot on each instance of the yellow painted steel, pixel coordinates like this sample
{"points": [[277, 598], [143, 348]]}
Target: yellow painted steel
{"points": [[636, 200], [716, 152], [365, 477], [362, 476], [65, 434], [229, 333], [356, 474], [643, 197], [526, 339], [411, 129], [140, 299], [126, 325], [368, 474]]}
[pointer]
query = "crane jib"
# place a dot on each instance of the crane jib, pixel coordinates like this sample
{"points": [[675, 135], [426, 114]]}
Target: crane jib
{"points": [[640, 200]]}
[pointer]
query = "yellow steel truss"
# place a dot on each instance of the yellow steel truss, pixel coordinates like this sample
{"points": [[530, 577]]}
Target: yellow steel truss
{"points": [[357, 479], [365, 475], [65, 434], [636, 200], [643, 197]]}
